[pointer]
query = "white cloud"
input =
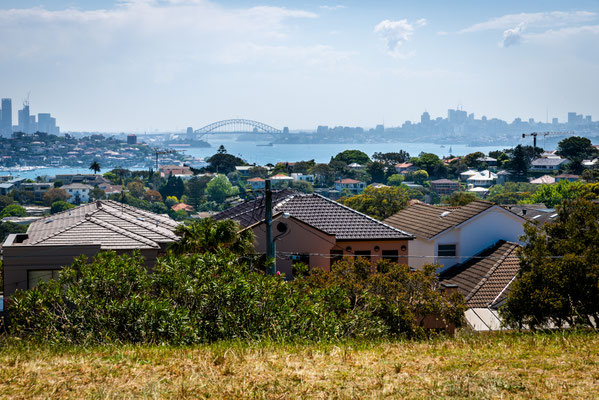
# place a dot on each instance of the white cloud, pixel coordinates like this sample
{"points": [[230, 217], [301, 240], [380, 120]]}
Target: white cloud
{"points": [[513, 36], [541, 19], [333, 8], [396, 33]]}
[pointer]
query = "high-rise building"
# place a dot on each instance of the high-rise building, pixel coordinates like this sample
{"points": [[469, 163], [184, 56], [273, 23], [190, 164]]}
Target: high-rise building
{"points": [[555, 121], [425, 118], [6, 118], [44, 123], [24, 119], [189, 133], [132, 139]]}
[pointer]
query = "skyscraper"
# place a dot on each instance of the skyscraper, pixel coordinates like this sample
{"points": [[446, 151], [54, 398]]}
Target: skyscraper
{"points": [[24, 119], [6, 118]]}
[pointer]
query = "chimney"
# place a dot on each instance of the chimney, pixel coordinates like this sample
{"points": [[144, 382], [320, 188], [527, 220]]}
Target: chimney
{"points": [[524, 211]]}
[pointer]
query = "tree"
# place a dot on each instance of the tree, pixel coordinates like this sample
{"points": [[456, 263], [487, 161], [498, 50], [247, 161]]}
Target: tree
{"points": [[6, 228], [97, 194], [224, 163], [212, 236], [472, 160], [352, 156], [432, 164], [152, 196], [136, 189], [552, 195], [219, 188], [174, 186], [376, 170], [5, 201], [221, 150], [258, 172], [302, 167], [60, 206], [95, 166], [419, 176], [195, 189], [392, 158], [302, 186], [461, 198], [324, 175], [522, 156], [395, 180], [558, 281], [576, 148], [13, 210], [379, 203]]}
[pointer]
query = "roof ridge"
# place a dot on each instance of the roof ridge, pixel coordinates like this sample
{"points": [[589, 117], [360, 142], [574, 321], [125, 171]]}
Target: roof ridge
{"points": [[122, 231], [492, 270], [136, 221], [116, 204], [362, 214], [58, 232], [62, 213]]}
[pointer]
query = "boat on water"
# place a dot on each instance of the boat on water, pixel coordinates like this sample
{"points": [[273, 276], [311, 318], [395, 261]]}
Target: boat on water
{"points": [[265, 144]]}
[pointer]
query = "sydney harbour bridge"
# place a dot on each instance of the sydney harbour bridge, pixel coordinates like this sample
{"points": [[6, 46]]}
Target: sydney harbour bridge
{"points": [[236, 126]]}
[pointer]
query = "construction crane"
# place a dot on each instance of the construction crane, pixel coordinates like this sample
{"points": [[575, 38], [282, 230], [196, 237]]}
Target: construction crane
{"points": [[159, 152], [544, 134]]}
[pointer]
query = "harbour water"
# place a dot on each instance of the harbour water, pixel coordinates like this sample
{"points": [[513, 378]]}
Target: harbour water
{"points": [[261, 155]]}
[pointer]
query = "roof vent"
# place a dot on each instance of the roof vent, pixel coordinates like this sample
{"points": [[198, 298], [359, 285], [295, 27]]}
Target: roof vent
{"points": [[536, 216], [48, 221], [141, 219], [445, 214], [553, 216]]}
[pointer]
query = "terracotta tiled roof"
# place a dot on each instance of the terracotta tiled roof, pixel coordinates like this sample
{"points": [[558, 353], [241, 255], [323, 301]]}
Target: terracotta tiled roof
{"points": [[113, 225], [348, 180], [256, 180], [485, 279], [426, 221], [182, 206], [318, 211]]}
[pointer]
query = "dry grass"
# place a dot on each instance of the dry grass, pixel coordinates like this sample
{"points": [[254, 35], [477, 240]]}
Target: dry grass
{"points": [[560, 365]]}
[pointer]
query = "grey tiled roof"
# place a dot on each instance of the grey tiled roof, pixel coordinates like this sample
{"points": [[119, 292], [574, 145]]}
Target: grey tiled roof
{"points": [[318, 211], [426, 221], [111, 224], [551, 161], [485, 279]]}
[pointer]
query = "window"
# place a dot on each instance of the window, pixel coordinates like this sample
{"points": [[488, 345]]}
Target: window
{"points": [[362, 253], [336, 255], [446, 250], [391, 255], [41, 275], [300, 258]]}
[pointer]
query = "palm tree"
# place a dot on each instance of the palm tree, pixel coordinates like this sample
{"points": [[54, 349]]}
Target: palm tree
{"points": [[95, 166], [208, 235]]}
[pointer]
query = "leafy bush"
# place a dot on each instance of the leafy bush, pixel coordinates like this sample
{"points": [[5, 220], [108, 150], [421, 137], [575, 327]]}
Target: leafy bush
{"points": [[13, 210], [60, 206], [196, 298]]}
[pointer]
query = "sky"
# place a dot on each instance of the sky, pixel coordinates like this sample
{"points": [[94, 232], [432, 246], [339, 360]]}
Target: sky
{"points": [[163, 65]]}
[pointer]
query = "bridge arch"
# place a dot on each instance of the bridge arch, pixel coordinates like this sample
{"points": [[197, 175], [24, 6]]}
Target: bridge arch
{"points": [[237, 124]]}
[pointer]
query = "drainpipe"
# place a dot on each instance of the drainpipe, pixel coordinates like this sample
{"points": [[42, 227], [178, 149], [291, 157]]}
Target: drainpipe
{"points": [[270, 244]]}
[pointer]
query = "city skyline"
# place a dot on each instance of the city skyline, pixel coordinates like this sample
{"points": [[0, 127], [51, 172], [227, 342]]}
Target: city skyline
{"points": [[142, 65]]}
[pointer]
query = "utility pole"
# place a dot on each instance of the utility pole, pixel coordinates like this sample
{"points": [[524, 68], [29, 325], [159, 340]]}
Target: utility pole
{"points": [[270, 244]]}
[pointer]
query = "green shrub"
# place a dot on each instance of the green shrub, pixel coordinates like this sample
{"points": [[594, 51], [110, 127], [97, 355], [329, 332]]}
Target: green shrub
{"points": [[196, 298]]}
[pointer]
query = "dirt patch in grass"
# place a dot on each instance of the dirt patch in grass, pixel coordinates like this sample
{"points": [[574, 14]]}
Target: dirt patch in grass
{"points": [[507, 365]]}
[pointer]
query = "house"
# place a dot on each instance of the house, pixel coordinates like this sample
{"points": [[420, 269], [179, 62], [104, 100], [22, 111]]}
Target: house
{"points": [[444, 186], [480, 191], [180, 171], [256, 183], [38, 189], [450, 235], [467, 174], [567, 177], [183, 207], [503, 176], [317, 231], [303, 177], [77, 193], [111, 189], [90, 179], [543, 180], [491, 162], [355, 166], [354, 186], [244, 170], [548, 164], [404, 168], [537, 213], [484, 178], [57, 240], [278, 180], [484, 281]]}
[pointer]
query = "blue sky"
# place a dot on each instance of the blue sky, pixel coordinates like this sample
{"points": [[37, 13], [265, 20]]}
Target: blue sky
{"points": [[145, 65]]}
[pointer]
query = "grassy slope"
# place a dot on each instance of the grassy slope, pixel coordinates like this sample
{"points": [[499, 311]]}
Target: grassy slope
{"points": [[562, 365]]}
